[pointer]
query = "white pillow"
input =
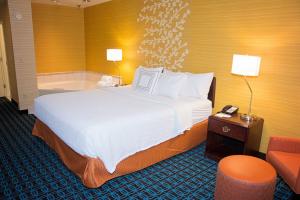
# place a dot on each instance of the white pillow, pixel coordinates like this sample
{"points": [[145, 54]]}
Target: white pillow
{"points": [[167, 71], [136, 74], [145, 79], [197, 85], [170, 84]]}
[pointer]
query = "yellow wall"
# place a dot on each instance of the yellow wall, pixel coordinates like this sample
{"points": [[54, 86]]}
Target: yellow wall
{"points": [[112, 25], [18, 35], [59, 38], [216, 30], [269, 29]]}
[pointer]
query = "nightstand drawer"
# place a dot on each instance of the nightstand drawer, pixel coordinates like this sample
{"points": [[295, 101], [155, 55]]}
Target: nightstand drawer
{"points": [[226, 129]]}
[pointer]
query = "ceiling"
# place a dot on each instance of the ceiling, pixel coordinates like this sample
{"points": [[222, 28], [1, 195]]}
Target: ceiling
{"points": [[72, 3]]}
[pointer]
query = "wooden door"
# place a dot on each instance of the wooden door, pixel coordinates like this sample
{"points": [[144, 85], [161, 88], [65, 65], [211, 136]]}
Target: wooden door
{"points": [[2, 84], [4, 78]]}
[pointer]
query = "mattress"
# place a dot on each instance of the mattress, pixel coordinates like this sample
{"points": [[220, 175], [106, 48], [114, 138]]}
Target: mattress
{"points": [[201, 109], [113, 123]]}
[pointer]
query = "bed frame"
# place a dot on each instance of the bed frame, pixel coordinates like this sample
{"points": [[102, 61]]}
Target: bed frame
{"points": [[92, 172], [212, 92]]}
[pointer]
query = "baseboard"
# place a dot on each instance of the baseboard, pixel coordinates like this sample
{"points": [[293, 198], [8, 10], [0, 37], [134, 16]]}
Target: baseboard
{"points": [[258, 154], [5, 98], [295, 197], [15, 103], [23, 111], [17, 106]]}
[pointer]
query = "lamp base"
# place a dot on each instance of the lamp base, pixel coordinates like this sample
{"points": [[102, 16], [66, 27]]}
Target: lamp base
{"points": [[246, 117]]}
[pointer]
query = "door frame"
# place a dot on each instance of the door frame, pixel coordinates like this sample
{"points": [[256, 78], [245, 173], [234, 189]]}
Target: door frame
{"points": [[4, 64]]}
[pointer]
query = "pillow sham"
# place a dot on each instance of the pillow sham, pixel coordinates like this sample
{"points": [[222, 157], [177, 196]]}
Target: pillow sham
{"points": [[197, 85], [145, 79], [169, 84]]}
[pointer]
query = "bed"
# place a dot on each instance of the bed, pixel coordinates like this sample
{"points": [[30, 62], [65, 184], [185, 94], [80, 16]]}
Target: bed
{"points": [[67, 122]]}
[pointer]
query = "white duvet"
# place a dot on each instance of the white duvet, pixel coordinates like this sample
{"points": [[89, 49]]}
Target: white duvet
{"points": [[113, 123]]}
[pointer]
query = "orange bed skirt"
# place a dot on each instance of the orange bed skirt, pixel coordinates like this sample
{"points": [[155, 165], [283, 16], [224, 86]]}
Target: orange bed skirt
{"points": [[92, 171]]}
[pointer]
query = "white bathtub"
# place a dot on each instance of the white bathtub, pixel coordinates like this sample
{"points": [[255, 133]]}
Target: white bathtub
{"points": [[66, 82]]}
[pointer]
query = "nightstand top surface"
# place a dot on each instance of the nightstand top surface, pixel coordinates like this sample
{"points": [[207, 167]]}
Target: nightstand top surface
{"points": [[236, 120]]}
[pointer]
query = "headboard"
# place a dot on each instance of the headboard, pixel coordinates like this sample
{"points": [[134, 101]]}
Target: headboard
{"points": [[212, 92]]}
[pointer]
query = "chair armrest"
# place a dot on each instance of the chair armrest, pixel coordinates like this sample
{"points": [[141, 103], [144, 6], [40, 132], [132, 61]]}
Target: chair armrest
{"points": [[285, 144]]}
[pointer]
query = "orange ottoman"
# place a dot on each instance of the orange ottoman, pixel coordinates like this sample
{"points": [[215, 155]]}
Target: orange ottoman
{"points": [[241, 177]]}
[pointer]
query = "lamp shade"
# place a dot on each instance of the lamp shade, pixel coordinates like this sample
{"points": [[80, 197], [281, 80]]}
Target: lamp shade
{"points": [[114, 54], [245, 65]]}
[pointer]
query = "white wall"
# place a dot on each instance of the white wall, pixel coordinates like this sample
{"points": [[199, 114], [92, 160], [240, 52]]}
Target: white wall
{"points": [[17, 18]]}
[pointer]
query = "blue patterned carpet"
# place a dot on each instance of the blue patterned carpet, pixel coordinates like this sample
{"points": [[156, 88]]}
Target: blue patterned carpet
{"points": [[29, 169]]}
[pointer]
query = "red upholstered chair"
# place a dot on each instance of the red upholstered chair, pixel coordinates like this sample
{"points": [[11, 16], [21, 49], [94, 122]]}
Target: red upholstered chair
{"points": [[284, 154]]}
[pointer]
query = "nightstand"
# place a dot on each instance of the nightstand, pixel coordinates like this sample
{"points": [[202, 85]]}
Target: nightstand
{"points": [[230, 136]]}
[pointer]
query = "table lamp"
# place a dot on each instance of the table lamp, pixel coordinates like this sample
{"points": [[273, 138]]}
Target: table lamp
{"points": [[115, 55], [245, 65]]}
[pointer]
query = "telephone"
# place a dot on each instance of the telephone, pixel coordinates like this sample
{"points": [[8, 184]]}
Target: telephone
{"points": [[229, 109]]}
